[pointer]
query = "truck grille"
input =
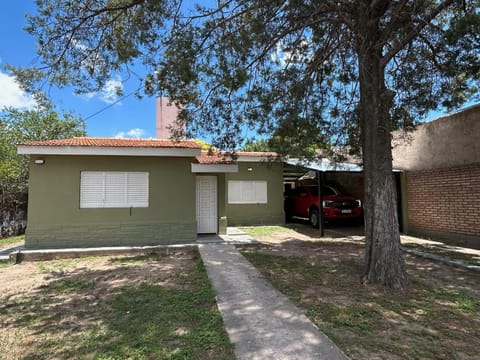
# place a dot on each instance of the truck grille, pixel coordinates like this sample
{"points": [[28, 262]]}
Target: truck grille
{"points": [[345, 204]]}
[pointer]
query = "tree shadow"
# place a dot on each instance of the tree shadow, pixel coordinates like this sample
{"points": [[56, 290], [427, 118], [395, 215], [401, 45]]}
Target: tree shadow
{"points": [[337, 229], [436, 316], [350, 251], [136, 308]]}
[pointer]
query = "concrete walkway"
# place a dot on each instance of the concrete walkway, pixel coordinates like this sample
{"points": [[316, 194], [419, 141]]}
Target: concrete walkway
{"points": [[261, 322], [5, 253]]}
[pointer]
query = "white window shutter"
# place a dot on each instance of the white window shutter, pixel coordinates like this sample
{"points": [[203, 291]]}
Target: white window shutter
{"points": [[113, 189], [247, 192], [235, 192], [261, 192], [137, 185], [92, 185]]}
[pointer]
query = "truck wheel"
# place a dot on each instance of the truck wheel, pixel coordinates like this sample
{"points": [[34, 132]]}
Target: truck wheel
{"points": [[314, 218]]}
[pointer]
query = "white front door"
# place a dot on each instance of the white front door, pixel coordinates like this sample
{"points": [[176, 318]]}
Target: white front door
{"points": [[207, 204]]}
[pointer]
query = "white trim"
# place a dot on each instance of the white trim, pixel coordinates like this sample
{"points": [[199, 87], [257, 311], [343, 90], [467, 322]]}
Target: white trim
{"points": [[214, 168], [110, 151]]}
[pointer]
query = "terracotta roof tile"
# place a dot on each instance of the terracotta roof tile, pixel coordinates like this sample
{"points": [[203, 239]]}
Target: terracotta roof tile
{"points": [[214, 158], [110, 142]]}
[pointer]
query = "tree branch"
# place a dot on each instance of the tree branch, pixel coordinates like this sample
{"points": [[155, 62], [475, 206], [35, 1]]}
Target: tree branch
{"points": [[395, 17], [414, 33], [94, 14]]}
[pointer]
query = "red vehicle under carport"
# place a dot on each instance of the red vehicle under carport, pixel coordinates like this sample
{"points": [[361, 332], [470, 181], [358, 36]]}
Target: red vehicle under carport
{"points": [[302, 202]]}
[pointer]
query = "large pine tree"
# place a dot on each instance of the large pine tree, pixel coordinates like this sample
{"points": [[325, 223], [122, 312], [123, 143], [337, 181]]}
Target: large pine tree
{"points": [[332, 72]]}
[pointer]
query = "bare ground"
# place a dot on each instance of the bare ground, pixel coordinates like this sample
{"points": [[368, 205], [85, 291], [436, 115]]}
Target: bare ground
{"points": [[63, 309]]}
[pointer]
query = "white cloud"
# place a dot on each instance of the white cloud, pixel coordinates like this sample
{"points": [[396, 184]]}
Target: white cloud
{"points": [[109, 93], [12, 95], [301, 53], [135, 133], [91, 58], [89, 95]]}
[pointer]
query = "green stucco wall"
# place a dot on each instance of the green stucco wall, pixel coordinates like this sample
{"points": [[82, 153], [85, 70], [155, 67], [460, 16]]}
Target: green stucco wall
{"points": [[56, 220], [258, 214], [222, 200]]}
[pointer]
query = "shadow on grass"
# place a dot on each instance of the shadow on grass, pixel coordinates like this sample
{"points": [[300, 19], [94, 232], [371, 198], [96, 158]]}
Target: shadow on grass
{"points": [[121, 312], [438, 317], [333, 229]]}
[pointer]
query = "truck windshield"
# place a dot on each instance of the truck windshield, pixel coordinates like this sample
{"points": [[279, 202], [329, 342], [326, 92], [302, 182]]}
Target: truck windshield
{"points": [[327, 190]]}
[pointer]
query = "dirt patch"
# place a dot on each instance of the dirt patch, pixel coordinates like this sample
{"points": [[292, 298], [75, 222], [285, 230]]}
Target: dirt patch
{"points": [[108, 307], [106, 271]]}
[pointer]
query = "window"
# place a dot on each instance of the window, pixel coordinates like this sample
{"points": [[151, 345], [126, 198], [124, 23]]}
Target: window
{"points": [[113, 189], [247, 192]]}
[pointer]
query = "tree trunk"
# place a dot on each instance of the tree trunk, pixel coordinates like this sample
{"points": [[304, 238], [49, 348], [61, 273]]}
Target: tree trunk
{"points": [[383, 259]]}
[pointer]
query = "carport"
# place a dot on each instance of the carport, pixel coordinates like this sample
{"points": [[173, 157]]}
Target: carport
{"points": [[343, 175]]}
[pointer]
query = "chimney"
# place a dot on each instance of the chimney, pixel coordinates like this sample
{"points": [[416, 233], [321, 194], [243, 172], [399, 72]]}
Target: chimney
{"points": [[166, 117]]}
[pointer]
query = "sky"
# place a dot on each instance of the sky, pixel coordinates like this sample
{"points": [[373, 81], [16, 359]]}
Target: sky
{"points": [[131, 117]]}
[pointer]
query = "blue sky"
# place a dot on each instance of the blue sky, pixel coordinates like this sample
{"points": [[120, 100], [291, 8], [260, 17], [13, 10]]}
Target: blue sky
{"points": [[130, 117]]}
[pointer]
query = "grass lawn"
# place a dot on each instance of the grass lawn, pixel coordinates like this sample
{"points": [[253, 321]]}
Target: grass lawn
{"points": [[256, 231], [437, 318], [143, 307], [10, 241]]}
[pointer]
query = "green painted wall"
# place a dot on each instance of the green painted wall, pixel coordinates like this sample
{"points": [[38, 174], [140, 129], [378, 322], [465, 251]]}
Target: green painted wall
{"points": [[222, 200], [56, 220], [258, 214]]}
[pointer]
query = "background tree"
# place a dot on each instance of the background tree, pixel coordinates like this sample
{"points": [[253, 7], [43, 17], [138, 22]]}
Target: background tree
{"points": [[257, 145], [16, 126], [340, 72], [205, 146]]}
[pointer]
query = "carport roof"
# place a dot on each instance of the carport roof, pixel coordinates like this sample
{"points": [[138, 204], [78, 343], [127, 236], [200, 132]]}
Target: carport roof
{"points": [[324, 165]]}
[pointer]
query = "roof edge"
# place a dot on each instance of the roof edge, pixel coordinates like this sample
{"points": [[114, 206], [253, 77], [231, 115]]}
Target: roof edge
{"points": [[107, 151]]}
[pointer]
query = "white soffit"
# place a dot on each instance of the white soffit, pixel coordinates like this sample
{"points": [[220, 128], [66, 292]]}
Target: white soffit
{"points": [[107, 151], [214, 168]]}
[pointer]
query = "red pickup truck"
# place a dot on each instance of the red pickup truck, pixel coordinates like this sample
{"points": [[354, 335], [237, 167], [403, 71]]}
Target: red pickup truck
{"points": [[302, 202]]}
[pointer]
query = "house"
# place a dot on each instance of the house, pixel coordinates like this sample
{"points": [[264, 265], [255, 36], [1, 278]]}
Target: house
{"points": [[111, 192]]}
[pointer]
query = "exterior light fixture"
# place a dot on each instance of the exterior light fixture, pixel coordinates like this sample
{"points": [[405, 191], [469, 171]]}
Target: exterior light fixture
{"points": [[249, 169], [39, 161]]}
